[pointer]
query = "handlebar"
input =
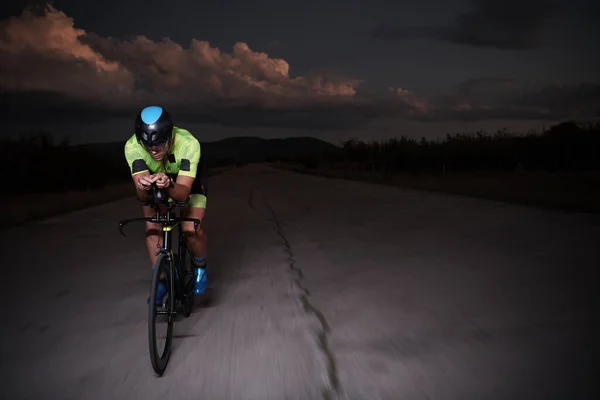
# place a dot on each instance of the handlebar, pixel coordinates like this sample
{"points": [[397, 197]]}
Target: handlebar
{"points": [[159, 197], [158, 220]]}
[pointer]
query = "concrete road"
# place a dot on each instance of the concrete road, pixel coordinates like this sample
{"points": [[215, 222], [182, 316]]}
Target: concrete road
{"points": [[323, 289]]}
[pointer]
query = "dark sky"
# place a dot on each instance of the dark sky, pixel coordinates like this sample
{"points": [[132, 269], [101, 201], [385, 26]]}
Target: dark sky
{"points": [[331, 69]]}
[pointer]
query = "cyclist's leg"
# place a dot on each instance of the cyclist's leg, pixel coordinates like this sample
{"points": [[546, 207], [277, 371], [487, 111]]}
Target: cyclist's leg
{"points": [[196, 208], [196, 239], [153, 237]]}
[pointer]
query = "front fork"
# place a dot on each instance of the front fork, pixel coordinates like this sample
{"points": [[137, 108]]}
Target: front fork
{"points": [[175, 259], [166, 249]]}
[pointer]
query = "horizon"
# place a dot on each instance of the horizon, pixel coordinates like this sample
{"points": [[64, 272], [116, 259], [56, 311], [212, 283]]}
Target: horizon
{"points": [[538, 130]]}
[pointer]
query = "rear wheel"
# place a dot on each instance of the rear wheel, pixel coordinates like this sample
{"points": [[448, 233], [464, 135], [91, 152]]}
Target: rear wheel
{"points": [[187, 274], [160, 316]]}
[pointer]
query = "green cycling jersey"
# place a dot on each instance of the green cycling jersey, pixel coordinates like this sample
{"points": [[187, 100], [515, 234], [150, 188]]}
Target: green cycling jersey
{"points": [[183, 159]]}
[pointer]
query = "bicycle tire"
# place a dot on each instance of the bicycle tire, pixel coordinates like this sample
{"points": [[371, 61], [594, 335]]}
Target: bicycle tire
{"points": [[159, 362]]}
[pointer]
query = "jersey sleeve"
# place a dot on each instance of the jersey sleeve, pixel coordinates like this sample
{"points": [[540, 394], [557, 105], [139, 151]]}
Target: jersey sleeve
{"points": [[190, 158], [135, 158]]}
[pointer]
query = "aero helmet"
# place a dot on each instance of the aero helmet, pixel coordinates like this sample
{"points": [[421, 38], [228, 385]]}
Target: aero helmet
{"points": [[153, 126]]}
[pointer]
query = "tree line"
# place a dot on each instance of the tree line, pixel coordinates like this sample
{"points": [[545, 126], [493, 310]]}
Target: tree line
{"points": [[567, 146], [38, 164]]}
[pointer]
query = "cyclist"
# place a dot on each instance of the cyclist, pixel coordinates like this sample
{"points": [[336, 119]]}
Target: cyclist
{"points": [[171, 157]]}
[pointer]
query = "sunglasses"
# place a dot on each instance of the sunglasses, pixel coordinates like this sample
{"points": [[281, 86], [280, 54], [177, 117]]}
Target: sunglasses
{"points": [[157, 144]]}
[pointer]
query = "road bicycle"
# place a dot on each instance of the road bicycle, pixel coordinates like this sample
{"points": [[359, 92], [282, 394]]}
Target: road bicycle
{"points": [[173, 269]]}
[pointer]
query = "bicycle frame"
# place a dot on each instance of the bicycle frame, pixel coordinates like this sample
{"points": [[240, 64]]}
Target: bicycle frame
{"points": [[167, 222]]}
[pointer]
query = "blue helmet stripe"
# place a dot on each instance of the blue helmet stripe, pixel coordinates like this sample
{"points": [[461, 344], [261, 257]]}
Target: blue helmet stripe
{"points": [[151, 114]]}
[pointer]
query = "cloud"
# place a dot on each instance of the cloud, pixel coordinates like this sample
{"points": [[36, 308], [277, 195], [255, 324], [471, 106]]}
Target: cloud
{"points": [[502, 24], [52, 70], [505, 98], [498, 98], [415, 105], [45, 51]]}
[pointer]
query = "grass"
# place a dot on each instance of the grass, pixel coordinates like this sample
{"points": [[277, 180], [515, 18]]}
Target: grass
{"points": [[579, 192], [33, 207], [25, 208]]}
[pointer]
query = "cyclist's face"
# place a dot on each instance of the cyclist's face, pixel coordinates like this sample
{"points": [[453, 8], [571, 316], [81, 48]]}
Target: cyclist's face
{"points": [[158, 151]]}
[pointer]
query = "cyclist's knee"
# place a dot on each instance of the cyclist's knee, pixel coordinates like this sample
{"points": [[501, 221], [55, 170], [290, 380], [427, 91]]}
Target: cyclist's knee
{"points": [[190, 232], [152, 229], [188, 228]]}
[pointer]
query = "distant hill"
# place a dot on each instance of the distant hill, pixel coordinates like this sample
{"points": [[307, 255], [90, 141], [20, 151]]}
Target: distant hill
{"points": [[236, 149], [254, 149]]}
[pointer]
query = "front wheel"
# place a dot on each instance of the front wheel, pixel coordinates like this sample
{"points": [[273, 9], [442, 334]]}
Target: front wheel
{"points": [[161, 312]]}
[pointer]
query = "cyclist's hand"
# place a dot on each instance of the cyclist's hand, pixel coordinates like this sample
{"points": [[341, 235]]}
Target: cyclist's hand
{"points": [[144, 181], [162, 180]]}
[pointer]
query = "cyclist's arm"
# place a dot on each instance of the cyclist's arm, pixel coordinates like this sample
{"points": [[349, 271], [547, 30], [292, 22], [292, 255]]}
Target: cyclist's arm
{"points": [[187, 173], [138, 168], [182, 188], [143, 195]]}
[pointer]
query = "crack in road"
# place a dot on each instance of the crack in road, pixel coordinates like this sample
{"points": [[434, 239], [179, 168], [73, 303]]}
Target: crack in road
{"points": [[251, 200], [334, 389]]}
